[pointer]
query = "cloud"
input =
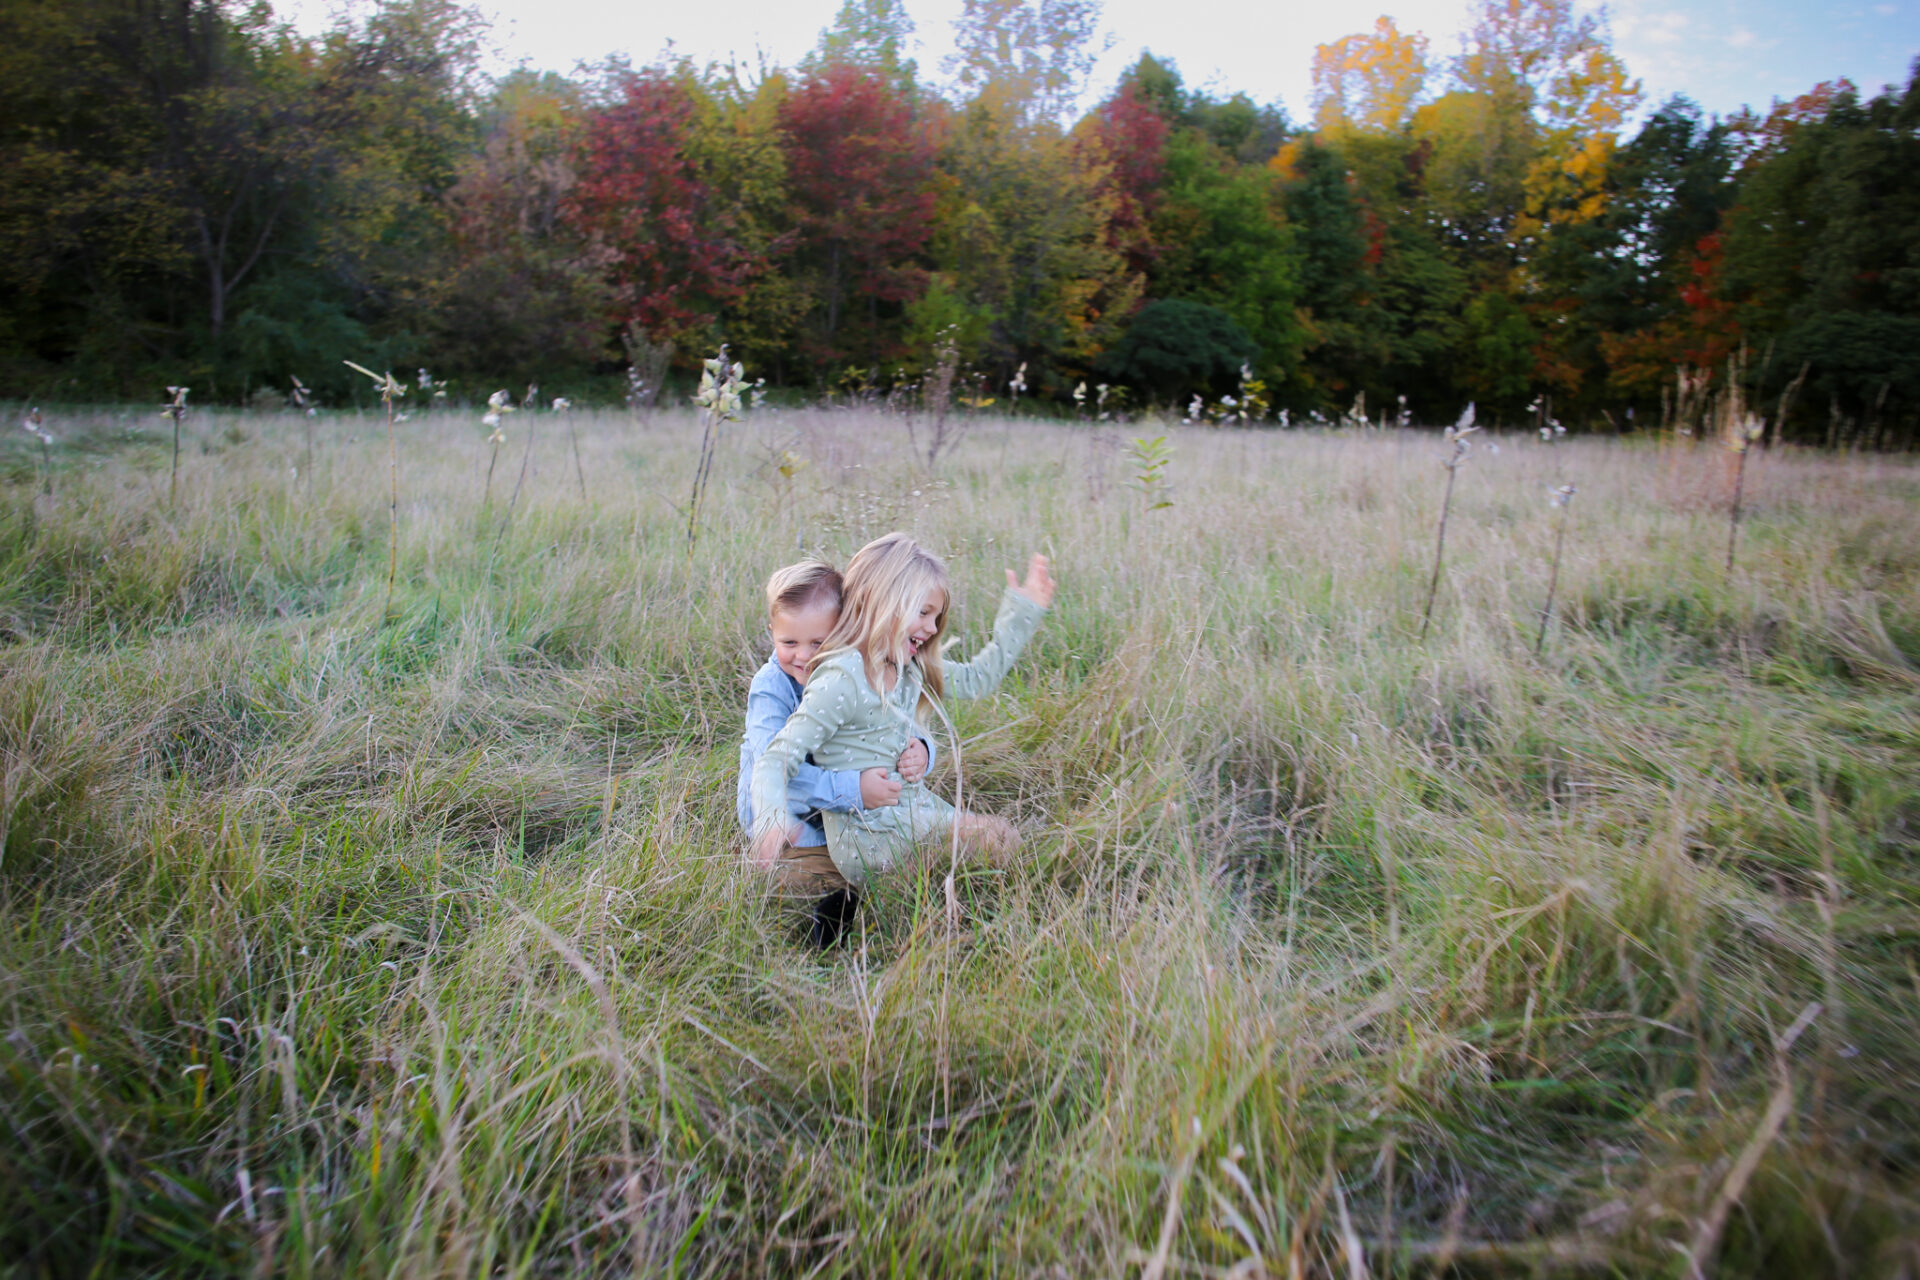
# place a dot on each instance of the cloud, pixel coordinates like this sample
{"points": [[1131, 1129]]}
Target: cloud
{"points": [[1651, 26]]}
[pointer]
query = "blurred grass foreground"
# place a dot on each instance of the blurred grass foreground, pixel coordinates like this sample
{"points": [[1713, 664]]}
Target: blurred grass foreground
{"points": [[345, 936]]}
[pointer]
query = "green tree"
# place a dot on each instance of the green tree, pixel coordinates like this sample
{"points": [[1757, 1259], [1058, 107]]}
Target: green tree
{"points": [[1022, 234], [871, 35], [1225, 242], [1175, 348]]}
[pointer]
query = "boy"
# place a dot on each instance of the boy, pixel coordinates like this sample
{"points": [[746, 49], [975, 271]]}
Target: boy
{"points": [[803, 603]]}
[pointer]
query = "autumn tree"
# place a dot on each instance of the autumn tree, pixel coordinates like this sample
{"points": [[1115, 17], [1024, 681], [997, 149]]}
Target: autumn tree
{"points": [[1371, 81], [1022, 241], [872, 35], [642, 198], [519, 294], [860, 171], [1124, 142], [1029, 57]]}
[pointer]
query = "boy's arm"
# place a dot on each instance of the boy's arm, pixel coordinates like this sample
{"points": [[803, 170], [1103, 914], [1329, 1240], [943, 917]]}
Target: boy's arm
{"points": [[823, 708], [1013, 626], [811, 787]]}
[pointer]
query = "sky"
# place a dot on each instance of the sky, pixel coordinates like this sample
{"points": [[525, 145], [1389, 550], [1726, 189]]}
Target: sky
{"points": [[1721, 53]]}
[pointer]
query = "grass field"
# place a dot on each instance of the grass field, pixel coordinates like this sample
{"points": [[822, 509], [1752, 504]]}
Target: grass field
{"points": [[343, 938]]}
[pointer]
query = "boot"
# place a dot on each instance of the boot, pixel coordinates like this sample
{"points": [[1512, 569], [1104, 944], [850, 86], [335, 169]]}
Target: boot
{"points": [[831, 917]]}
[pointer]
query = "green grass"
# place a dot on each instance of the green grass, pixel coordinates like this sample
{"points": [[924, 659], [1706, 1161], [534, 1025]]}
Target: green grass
{"points": [[418, 942]]}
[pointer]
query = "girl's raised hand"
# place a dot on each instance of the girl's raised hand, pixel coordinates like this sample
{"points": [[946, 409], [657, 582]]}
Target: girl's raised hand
{"points": [[1039, 584]]}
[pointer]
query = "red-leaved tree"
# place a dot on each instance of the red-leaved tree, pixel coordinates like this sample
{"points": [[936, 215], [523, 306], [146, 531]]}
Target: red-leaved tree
{"points": [[1129, 137], [642, 200], [860, 174]]}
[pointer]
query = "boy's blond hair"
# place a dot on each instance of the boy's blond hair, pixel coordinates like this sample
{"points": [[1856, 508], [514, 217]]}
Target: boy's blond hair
{"points": [[800, 586]]}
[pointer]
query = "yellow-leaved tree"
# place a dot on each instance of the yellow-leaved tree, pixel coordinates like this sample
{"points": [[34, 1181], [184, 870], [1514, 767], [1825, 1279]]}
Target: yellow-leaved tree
{"points": [[1369, 81], [1552, 97]]}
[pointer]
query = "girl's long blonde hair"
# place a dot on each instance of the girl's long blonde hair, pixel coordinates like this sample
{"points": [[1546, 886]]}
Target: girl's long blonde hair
{"points": [[883, 588]]}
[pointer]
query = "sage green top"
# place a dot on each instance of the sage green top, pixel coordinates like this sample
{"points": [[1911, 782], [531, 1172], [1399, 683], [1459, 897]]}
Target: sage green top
{"points": [[843, 722]]}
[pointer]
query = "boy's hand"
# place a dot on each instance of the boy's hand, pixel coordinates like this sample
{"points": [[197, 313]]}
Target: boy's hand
{"points": [[912, 763], [877, 790], [1039, 584], [765, 851]]}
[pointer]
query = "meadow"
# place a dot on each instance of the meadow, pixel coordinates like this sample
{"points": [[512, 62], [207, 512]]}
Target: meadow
{"points": [[348, 935]]}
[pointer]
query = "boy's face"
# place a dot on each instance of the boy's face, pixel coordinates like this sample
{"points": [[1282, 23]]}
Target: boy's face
{"points": [[797, 636]]}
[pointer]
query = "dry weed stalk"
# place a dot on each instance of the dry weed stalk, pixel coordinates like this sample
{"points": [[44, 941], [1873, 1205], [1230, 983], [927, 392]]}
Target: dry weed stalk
{"points": [[302, 399], [501, 402], [564, 407], [937, 397], [1562, 498], [719, 396], [1460, 447], [176, 409], [1745, 434], [390, 390], [32, 425], [495, 419], [1787, 398]]}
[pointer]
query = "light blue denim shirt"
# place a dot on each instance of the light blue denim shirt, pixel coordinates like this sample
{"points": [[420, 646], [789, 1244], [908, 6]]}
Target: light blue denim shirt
{"points": [[772, 699]]}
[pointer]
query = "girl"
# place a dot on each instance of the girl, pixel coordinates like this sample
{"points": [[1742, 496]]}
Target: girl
{"points": [[878, 676]]}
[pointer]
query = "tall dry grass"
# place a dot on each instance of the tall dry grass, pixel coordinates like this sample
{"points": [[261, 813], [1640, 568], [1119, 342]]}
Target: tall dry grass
{"points": [[342, 943]]}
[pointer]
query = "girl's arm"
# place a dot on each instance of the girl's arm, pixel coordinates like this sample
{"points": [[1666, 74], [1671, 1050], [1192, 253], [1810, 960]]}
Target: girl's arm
{"points": [[829, 699], [1013, 626], [811, 787]]}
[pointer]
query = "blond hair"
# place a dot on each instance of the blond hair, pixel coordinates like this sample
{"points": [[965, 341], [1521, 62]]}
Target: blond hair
{"points": [[799, 586], [886, 582]]}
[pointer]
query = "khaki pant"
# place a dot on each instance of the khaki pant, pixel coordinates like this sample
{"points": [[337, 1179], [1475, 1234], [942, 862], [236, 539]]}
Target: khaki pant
{"points": [[807, 872]]}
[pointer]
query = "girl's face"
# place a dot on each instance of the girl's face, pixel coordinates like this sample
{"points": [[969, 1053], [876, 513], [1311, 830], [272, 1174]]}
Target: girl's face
{"points": [[798, 636], [925, 622]]}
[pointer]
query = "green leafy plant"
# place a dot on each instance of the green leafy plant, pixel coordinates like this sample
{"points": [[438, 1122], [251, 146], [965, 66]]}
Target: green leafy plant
{"points": [[1149, 458]]}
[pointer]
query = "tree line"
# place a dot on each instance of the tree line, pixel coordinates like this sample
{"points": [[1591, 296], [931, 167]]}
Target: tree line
{"points": [[198, 193]]}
